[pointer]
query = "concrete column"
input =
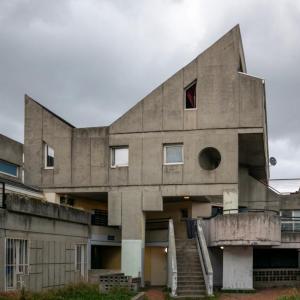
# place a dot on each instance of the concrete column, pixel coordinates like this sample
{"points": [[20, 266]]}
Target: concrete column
{"points": [[238, 268], [230, 201], [133, 235]]}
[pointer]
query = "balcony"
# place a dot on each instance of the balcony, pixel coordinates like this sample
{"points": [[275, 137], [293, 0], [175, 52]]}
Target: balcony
{"points": [[248, 228]]}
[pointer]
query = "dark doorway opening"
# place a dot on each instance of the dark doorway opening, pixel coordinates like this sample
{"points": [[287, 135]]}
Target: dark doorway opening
{"points": [[105, 257]]}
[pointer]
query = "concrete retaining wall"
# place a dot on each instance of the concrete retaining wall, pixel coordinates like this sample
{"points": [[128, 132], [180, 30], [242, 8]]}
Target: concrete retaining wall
{"points": [[51, 239]]}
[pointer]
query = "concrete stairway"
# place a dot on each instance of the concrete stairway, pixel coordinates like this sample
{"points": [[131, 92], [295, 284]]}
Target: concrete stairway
{"points": [[190, 280]]}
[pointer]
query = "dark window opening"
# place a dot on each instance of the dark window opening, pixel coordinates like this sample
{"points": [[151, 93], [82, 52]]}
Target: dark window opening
{"points": [[64, 200], [216, 210], [100, 218], [275, 258], [184, 213], [190, 96]]}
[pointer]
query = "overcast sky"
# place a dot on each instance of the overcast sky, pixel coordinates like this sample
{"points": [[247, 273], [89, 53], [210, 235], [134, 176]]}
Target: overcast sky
{"points": [[89, 61]]}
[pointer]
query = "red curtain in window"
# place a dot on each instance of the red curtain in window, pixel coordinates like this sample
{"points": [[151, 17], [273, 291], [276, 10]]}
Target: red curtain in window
{"points": [[191, 96]]}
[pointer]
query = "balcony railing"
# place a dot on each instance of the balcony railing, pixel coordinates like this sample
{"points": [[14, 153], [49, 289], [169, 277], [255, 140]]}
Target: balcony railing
{"points": [[100, 218]]}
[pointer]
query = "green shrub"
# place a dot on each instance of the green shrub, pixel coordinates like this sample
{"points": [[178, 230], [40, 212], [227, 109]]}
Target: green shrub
{"points": [[82, 291]]}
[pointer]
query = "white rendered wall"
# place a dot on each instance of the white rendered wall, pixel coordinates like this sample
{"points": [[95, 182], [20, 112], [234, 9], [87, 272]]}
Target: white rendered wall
{"points": [[238, 268], [133, 258]]}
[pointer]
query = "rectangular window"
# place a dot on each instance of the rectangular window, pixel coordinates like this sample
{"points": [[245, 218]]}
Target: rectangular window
{"points": [[173, 154], [49, 157], [16, 262], [119, 156], [190, 96], [80, 261], [8, 168], [290, 220]]}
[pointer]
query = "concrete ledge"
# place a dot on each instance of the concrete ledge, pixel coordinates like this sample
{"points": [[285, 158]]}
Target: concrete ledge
{"points": [[40, 208], [139, 296], [245, 229]]}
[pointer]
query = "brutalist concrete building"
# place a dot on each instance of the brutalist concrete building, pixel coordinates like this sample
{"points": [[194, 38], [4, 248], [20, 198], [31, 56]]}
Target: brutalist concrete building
{"points": [[175, 192]]}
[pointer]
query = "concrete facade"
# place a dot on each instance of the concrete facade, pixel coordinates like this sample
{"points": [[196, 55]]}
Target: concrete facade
{"points": [[230, 104], [230, 118]]}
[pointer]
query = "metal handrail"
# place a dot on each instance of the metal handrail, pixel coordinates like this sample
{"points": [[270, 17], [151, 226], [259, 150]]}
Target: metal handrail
{"points": [[247, 210], [204, 258], [267, 185]]}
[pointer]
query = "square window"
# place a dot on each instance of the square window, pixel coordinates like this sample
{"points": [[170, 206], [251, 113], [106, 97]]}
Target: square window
{"points": [[173, 154], [49, 157], [190, 96], [119, 156]]}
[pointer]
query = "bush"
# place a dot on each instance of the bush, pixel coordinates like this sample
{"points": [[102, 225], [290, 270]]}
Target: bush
{"points": [[82, 291]]}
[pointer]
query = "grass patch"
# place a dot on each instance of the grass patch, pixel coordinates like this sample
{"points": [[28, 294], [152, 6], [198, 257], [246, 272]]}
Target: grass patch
{"points": [[292, 297], [82, 291]]}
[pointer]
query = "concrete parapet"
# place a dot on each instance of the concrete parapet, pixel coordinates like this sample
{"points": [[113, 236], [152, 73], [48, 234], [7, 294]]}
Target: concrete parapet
{"points": [[36, 207], [249, 228]]}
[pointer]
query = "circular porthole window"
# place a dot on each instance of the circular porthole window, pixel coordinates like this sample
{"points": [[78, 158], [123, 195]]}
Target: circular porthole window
{"points": [[209, 158]]}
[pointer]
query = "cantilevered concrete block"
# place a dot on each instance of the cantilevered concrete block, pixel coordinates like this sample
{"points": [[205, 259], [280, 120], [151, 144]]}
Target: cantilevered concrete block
{"points": [[114, 208], [152, 199]]}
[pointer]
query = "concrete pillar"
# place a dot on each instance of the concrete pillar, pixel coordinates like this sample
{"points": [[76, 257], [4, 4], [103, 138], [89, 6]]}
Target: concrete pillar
{"points": [[238, 268], [133, 235], [230, 201]]}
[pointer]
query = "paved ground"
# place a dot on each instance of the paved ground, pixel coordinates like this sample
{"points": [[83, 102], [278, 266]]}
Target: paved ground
{"points": [[266, 294], [155, 294]]}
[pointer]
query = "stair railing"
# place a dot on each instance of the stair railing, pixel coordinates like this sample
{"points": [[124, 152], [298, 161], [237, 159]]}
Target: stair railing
{"points": [[172, 262], [204, 259]]}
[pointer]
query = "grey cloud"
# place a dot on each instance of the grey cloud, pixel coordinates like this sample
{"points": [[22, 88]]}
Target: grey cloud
{"points": [[90, 61]]}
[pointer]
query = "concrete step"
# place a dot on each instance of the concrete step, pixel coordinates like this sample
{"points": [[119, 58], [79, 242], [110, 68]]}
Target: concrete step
{"points": [[188, 258], [189, 276], [189, 251], [190, 297], [191, 285], [187, 292], [185, 269], [191, 267]]}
